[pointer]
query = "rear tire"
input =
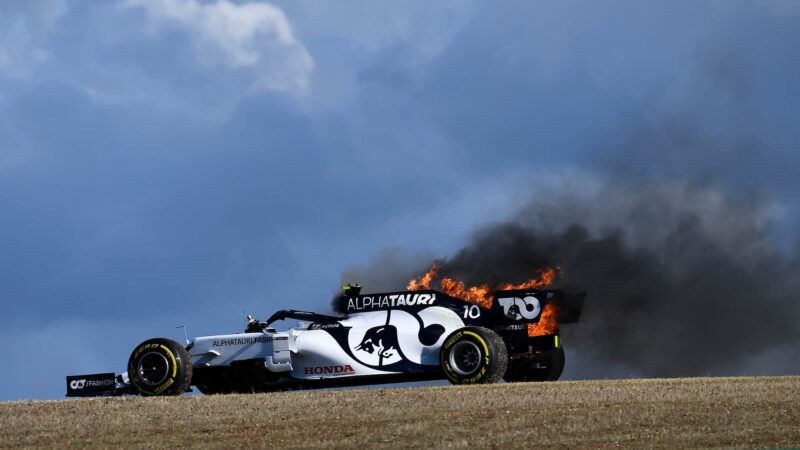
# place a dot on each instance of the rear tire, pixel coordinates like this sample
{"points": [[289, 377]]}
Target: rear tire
{"points": [[545, 368], [160, 367], [473, 355]]}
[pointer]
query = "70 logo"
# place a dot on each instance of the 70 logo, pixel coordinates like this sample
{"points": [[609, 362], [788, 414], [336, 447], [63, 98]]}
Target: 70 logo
{"points": [[516, 308]]}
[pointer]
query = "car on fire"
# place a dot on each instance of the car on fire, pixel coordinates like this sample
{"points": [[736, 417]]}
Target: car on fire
{"points": [[380, 338]]}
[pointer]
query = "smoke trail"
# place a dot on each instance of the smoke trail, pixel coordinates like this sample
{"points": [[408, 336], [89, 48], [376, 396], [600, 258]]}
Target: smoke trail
{"points": [[682, 279], [684, 276]]}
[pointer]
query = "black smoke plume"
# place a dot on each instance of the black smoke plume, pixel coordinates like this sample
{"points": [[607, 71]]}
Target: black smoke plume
{"points": [[689, 268], [683, 279]]}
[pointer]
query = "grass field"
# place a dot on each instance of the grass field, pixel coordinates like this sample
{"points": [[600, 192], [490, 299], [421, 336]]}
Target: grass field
{"points": [[759, 412]]}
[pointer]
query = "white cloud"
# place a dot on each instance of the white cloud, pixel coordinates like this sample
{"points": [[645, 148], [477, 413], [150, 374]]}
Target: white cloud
{"points": [[24, 29], [255, 37], [422, 28]]}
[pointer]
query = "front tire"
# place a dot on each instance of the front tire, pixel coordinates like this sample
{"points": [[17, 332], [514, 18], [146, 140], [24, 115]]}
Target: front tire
{"points": [[160, 367], [473, 355]]}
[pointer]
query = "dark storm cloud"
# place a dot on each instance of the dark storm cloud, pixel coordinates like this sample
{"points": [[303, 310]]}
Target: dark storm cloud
{"points": [[119, 209], [121, 214]]}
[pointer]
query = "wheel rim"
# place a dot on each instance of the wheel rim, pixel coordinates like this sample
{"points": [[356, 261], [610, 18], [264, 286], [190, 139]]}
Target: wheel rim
{"points": [[465, 358], [153, 368]]}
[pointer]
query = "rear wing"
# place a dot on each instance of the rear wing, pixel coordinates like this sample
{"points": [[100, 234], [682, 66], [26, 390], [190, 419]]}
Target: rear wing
{"points": [[569, 304]]}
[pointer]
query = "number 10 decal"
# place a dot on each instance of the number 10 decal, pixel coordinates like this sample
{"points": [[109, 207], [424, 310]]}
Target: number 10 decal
{"points": [[516, 308], [472, 312]]}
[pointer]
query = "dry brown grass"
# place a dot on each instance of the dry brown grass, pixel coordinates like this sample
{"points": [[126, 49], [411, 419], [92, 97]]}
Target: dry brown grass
{"points": [[671, 413]]}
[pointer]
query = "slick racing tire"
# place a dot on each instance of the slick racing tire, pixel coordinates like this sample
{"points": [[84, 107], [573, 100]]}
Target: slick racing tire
{"points": [[473, 355], [160, 367], [546, 368]]}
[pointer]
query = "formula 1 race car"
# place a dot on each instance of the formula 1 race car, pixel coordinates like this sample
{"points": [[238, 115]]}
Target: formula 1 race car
{"points": [[379, 338]]}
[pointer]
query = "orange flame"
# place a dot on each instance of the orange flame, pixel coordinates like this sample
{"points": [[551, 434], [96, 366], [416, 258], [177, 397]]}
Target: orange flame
{"points": [[474, 294], [481, 294], [424, 282], [548, 322], [543, 277]]}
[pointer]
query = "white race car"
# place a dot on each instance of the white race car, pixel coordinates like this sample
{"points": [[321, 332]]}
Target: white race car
{"points": [[380, 338]]}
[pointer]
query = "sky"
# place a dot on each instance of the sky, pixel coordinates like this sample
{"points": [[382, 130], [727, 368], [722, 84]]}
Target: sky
{"points": [[186, 162]]}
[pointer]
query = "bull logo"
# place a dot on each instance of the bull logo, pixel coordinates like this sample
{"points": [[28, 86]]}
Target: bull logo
{"points": [[391, 340], [381, 340]]}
